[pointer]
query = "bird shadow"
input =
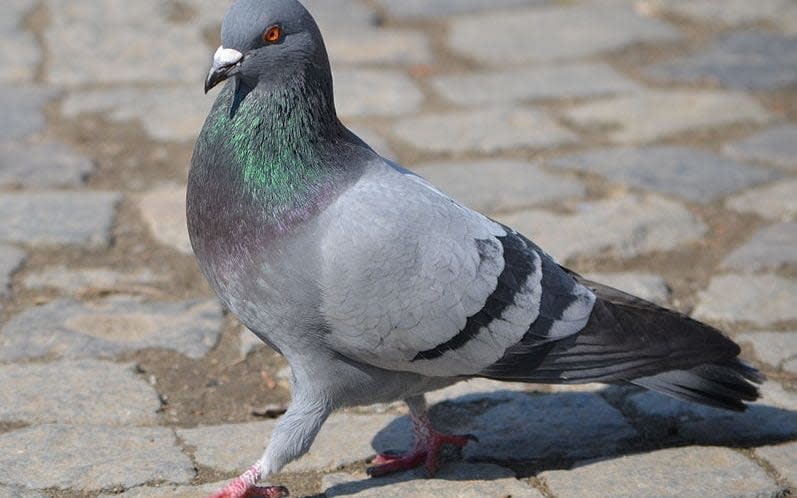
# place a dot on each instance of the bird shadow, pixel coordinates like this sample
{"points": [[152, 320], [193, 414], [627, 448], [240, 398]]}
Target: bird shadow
{"points": [[530, 433]]}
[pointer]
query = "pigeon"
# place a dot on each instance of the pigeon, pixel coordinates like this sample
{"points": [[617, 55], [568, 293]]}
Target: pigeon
{"points": [[375, 285]]}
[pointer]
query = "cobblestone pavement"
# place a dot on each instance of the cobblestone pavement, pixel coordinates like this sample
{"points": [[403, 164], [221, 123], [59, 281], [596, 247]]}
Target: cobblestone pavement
{"points": [[652, 144]]}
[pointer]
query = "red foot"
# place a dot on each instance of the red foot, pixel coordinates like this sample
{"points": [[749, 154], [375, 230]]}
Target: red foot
{"points": [[244, 487], [426, 452]]}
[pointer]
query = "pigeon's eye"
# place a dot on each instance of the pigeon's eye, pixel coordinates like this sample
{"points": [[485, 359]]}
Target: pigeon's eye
{"points": [[273, 34]]}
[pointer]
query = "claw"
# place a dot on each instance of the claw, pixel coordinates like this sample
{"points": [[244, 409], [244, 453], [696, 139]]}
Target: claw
{"points": [[244, 487], [426, 452]]}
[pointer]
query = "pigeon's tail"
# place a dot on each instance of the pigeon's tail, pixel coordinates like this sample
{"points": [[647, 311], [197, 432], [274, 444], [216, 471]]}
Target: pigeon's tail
{"points": [[629, 340], [724, 385]]}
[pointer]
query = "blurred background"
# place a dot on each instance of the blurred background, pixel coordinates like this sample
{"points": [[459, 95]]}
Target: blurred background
{"points": [[651, 144]]}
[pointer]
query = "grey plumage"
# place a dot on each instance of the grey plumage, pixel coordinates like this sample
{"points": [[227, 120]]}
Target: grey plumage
{"points": [[375, 285]]}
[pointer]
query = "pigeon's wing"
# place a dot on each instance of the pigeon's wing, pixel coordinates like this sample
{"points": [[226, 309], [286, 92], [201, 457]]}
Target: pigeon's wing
{"points": [[413, 281]]}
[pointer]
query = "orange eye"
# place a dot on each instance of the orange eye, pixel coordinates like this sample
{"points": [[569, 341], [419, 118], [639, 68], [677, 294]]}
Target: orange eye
{"points": [[272, 34]]}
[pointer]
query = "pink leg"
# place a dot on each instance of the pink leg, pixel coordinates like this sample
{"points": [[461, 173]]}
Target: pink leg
{"points": [[244, 487], [426, 451]]}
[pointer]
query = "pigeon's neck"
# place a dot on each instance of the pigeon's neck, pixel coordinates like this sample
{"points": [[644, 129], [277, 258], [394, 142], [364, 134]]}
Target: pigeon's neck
{"points": [[275, 141]]}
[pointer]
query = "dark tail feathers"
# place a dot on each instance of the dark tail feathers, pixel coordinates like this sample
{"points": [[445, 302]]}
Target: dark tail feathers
{"points": [[724, 385]]}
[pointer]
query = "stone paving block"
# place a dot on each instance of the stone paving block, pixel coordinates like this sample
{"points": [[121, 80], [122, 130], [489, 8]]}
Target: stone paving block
{"points": [[648, 286], [163, 211], [626, 226], [563, 81], [75, 281], [173, 113], [342, 15], [455, 480], [759, 299], [109, 327], [375, 92], [76, 392], [773, 348], [42, 165], [691, 174], [738, 60], [690, 472], [51, 218], [731, 12], [11, 259], [551, 33], [9, 492], [499, 185], [484, 130], [88, 458], [23, 110], [771, 417], [784, 458], [19, 52], [169, 491], [777, 145], [121, 36], [776, 202], [655, 115], [344, 439], [769, 248], [550, 426], [422, 9], [377, 46]]}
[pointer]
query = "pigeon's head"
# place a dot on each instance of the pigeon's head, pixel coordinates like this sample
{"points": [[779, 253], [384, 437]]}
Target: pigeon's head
{"points": [[266, 41]]}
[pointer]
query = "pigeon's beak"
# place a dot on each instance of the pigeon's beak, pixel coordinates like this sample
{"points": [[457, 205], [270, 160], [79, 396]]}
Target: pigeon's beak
{"points": [[226, 62]]}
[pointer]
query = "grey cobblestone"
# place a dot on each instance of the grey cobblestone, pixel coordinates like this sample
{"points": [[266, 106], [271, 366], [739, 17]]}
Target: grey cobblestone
{"points": [[774, 348], [89, 458], [121, 36], [168, 113], [776, 202], [552, 33], [504, 185], [42, 165], [760, 299], [52, 218], [730, 12], [11, 260], [76, 281], [626, 226], [691, 472], [423, 9], [23, 112], [70, 329], [691, 174], [76, 392], [534, 83], [378, 46], [784, 458], [367, 92], [771, 417], [776, 145], [19, 54], [483, 130], [453, 481], [554, 426], [163, 210], [768, 249], [739, 60], [655, 115], [15, 492]]}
